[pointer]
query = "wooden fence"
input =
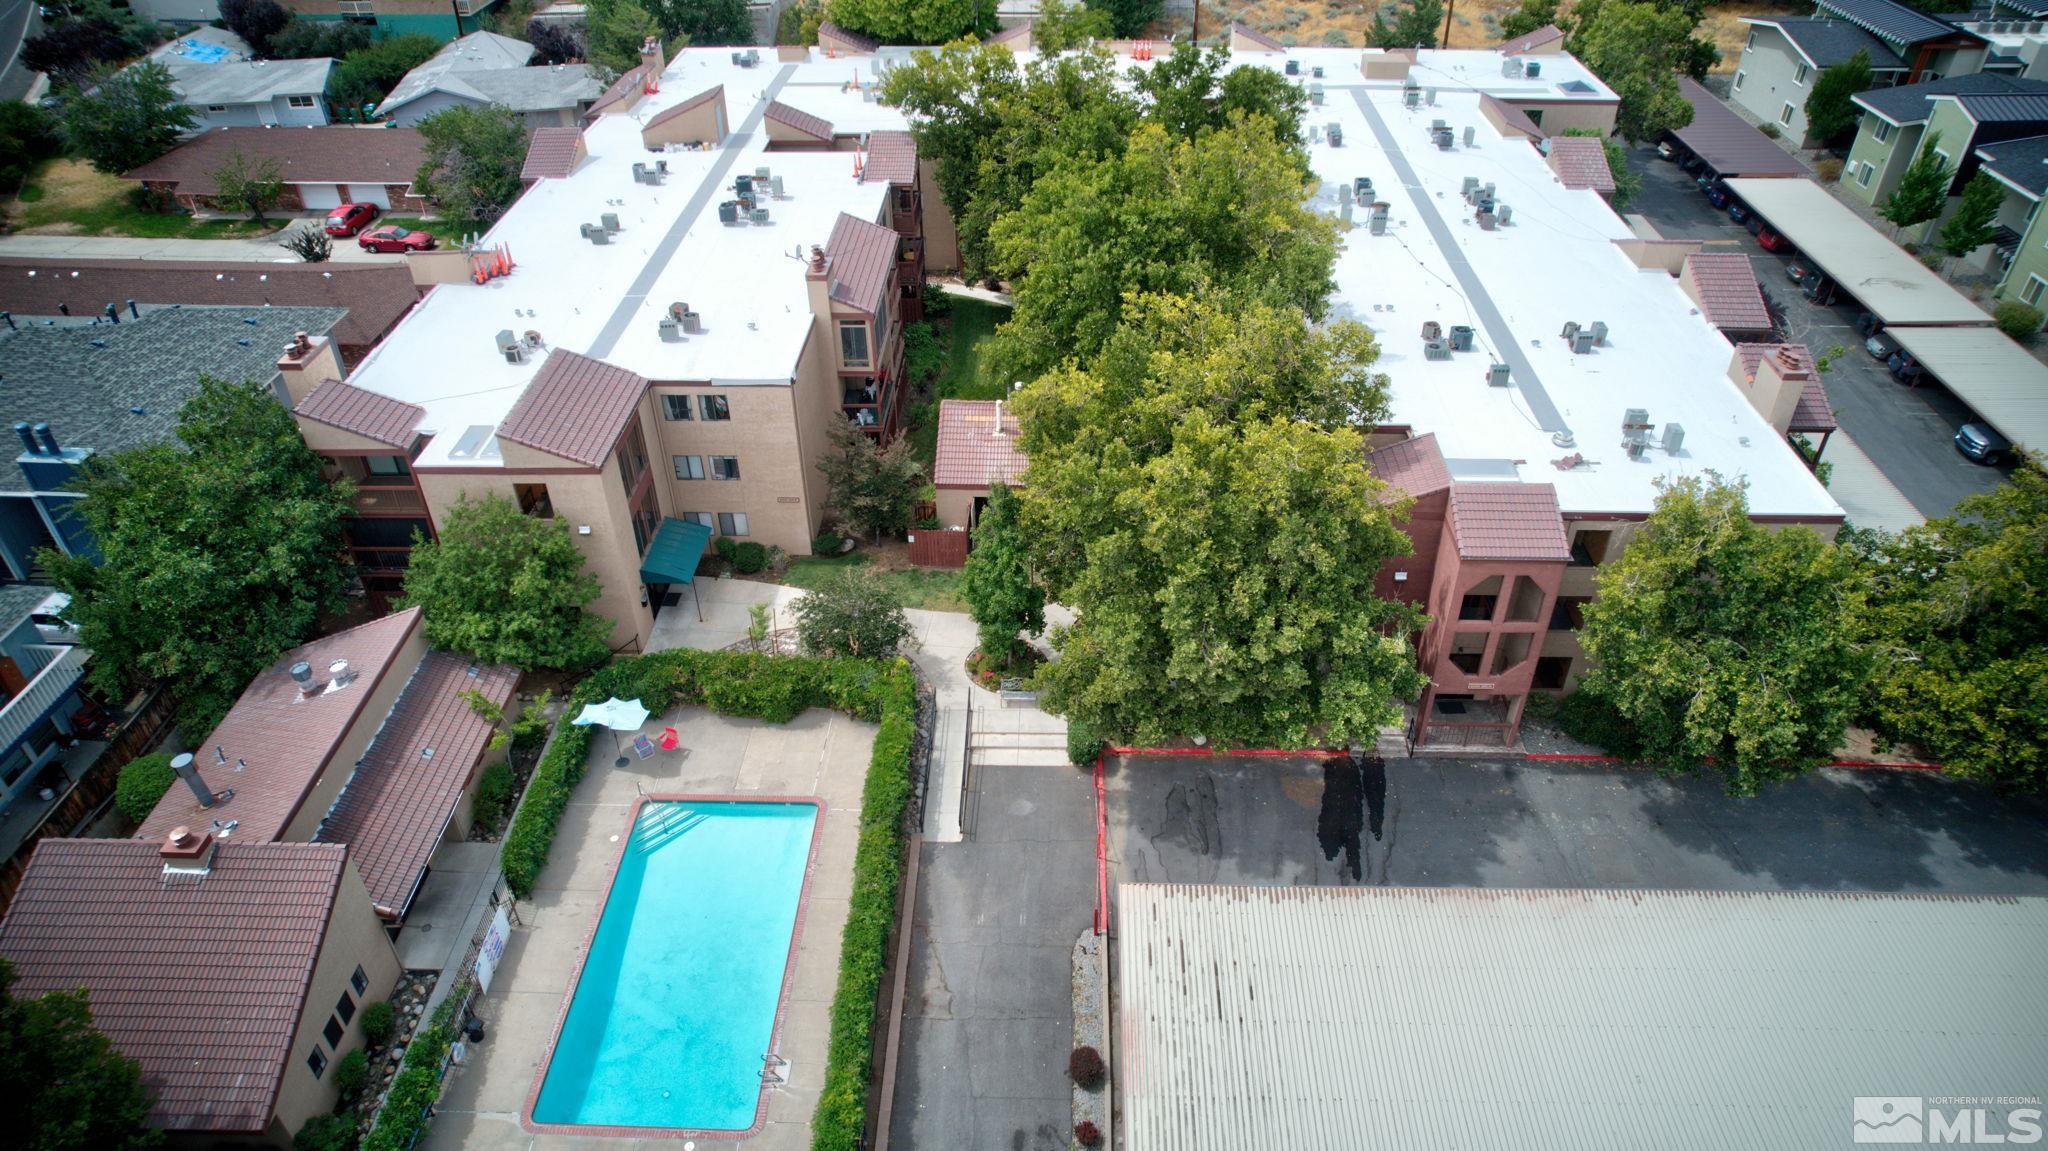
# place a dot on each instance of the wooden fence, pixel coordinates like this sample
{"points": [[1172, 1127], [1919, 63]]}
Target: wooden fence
{"points": [[939, 549]]}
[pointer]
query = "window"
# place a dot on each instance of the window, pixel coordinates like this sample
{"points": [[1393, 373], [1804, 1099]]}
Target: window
{"points": [[725, 467], [345, 1007], [1569, 614], [632, 453], [906, 200], [732, 523], [299, 101], [1799, 75], [1749, 41], [2031, 294], [853, 343], [216, 107], [1589, 548], [1740, 76], [1551, 672], [689, 467], [696, 518], [1882, 132], [1476, 607], [1941, 155], [1929, 76], [675, 407], [333, 1031], [360, 981], [533, 500], [317, 1062], [385, 465], [713, 408], [1864, 173], [1785, 115], [1535, 116]]}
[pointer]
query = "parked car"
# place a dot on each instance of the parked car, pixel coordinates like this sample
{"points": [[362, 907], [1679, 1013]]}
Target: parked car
{"points": [[1797, 271], [1739, 213], [1905, 368], [1881, 347], [1717, 194], [348, 219], [1980, 443], [1690, 162], [1772, 239], [1667, 150], [392, 238]]}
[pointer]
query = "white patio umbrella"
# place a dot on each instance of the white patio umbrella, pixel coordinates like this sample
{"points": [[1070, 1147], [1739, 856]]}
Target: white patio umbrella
{"points": [[616, 714]]}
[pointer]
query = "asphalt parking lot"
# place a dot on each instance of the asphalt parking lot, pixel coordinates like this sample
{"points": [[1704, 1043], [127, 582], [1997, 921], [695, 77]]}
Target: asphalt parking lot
{"points": [[1459, 823], [1907, 432]]}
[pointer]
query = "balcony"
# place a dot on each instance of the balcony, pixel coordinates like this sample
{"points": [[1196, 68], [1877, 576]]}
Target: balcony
{"points": [[61, 670], [394, 501]]}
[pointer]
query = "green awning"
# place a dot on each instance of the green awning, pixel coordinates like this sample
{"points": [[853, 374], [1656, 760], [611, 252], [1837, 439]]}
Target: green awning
{"points": [[677, 547]]}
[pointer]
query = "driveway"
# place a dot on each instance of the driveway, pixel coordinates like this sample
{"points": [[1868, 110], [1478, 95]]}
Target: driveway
{"points": [[263, 251], [18, 21], [1454, 823], [1906, 432]]}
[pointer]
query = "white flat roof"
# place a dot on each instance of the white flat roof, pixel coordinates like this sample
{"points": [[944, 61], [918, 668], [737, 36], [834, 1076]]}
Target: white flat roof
{"points": [[1337, 1018], [2001, 381], [744, 281], [1884, 277], [1517, 286]]}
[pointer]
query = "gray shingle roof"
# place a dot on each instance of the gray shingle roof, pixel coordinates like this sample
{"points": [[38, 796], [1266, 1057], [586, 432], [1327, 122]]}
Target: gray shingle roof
{"points": [[19, 599], [250, 82], [1911, 103], [476, 52], [88, 394], [1831, 42], [1892, 21], [2022, 162]]}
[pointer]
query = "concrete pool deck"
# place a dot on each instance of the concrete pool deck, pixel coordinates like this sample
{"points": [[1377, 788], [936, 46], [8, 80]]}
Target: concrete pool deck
{"points": [[820, 753]]}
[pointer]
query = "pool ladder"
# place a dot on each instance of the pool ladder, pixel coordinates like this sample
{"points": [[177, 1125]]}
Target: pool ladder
{"points": [[665, 826], [774, 1070]]}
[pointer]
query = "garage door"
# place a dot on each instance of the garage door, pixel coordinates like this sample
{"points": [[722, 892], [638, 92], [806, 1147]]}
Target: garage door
{"points": [[368, 194], [320, 196]]}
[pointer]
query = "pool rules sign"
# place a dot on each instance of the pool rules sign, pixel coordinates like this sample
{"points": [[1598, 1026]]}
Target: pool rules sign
{"points": [[494, 946]]}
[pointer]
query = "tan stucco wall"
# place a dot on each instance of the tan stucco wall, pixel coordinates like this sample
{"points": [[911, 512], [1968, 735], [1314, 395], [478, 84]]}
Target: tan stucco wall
{"points": [[382, 695], [1555, 119], [706, 123], [354, 936], [763, 434], [1661, 255], [941, 236]]}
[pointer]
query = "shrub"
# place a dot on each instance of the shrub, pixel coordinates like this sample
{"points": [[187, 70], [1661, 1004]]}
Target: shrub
{"points": [[493, 793], [725, 546], [937, 301], [1086, 1068], [417, 1085], [351, 1073], [749, 557], [1828, 168], [2020, 321], [1590, 719], [327, 1133], [532, 725], [851, 612], [827, 543], [1084, 747], [309, 244], [1087, 1134], [378, 1020], [142, 784], [1769, 129]]}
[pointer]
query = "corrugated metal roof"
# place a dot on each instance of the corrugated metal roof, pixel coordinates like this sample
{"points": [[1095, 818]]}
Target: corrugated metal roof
{"points": [[1341, 1018], [576, 408], [202, 983], [1892, 21], [1503, 521], [1581, 162], [2000, 380], [1890, 283], [2004, 108], [1728, 143], [1826, 43], [2021, 163], [970, 453], [862, 252], [1911, 103], [364, 412], [1728, 293], [812, 126], [552, 154]]}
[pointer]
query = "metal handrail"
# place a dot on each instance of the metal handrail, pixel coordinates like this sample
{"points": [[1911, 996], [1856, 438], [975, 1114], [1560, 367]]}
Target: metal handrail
{"points": [[966, 759]]}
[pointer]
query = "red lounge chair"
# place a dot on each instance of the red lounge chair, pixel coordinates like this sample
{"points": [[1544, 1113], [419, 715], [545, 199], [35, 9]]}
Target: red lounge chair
{"points": [[670, 740]]}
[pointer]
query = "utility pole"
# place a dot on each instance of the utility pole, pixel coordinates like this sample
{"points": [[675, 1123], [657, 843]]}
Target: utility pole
{"points": [[1450, 12]]}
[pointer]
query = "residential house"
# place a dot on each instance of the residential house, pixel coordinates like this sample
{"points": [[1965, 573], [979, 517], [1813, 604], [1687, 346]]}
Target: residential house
{"points": [[977, 449], [1967, 111], [2021, 166], [1932, 47], [1781, 59], [254, 93], [111, 377], [486, 68], [41, 667], [321, 167], [202, 45]]}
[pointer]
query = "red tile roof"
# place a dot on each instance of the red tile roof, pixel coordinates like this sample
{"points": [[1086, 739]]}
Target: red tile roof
{"points": [[332, 155], [277, 744], [1581, 162], [552, 154], [1728, 292], [202, 983], [1506, 521], [1021, 29], [364, 412], [576, 408], [892, 157], [1413, 467], [853, 40], [799, 119], [687, 106], [970, 454], [862, 253], [1814, 413], [1549, 33], [405, 789], [623, 89], [1795, 362], [1257, 37]]}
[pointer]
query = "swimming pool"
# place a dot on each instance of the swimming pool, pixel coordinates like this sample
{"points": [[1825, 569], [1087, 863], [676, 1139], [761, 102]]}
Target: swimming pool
{"points": [[678, 998]]}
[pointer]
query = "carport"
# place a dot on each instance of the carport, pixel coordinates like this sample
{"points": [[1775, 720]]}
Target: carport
{"points": [[2002, 383], [1857, 258], [1726, 142]]}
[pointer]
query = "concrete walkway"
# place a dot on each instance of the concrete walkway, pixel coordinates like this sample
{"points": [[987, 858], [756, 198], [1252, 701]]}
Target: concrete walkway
{"points": [[451, 906], [263, 250], [1869, 499]]}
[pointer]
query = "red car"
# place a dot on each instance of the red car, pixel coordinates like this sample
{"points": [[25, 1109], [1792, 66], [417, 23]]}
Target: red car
{"points": [[348, 219], [1773, 240], [392, 238]]}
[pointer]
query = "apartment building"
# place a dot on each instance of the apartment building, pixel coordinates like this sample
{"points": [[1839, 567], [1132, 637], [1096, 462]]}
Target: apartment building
{"points": [[1967, 112], [660, 332]]}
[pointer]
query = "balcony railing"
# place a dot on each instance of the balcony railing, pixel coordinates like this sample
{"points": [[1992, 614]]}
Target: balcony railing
{"points": [[390, 502], [59, 675], [356, 8]]}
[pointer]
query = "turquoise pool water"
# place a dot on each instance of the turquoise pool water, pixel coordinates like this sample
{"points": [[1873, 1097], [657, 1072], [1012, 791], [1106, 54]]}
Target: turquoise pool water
{"points": [[676, 1002]]}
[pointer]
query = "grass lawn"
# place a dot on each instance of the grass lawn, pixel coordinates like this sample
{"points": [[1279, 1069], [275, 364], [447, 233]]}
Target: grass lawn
{"points": [[972, 320], [933, 590], [67, 197]]}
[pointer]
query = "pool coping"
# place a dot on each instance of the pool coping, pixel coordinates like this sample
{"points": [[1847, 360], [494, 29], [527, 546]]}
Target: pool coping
{"points": [[796, 934]]}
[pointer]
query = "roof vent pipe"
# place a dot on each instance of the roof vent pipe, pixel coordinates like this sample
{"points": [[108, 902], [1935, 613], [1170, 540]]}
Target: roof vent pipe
{"points": [[998, 429], [302, 674], [49, 439], [182, 764], [28, 438], [340, 675]]}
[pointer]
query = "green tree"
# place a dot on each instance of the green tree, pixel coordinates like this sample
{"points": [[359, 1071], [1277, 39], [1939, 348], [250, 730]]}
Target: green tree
{"points": [[312, 39], [914, 21], [1831, 111], [1064, 24], [1223, 213], [506, 587], [1923, 188], [874, 489], [1959, 624], [614, 31], [28, 136], [1417, 24], [1638, 48], [1131, 17], [253, 187], [215, 554], [255, 21], [72, 1090], [997, 583], [851, 612], [1720, 640], [1628, 183], [1975, 221], [142, 784], [130, 118], [473, 158], [704, 21], [368, 74], [1532, 14], [1193, 91], [86, 37], [799, 22]]}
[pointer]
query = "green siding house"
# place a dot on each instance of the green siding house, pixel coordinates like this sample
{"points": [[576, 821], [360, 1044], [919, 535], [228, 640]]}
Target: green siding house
{"points": [[1968, 111]]}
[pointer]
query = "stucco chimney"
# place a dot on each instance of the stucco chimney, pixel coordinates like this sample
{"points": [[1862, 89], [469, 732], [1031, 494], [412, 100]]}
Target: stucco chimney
{"points": [[307, 360], [652, 57]]}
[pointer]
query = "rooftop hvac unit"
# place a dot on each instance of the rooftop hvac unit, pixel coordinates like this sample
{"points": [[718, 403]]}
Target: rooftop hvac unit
{"points": [[1315, 94], [1635, 423], [1484, 204], [761, 175], [1532, 69], [610, 220], [1471, 134], [1431, 329], [671, 330], [753, 57], [1429, 97], [1436, 350], [729, 212], [757, 216], [1336, 133], [1599, 330], [596, 234], [1497, 376], [1487, 222], [1511, 68], [1436, 126], [775, 186], [1674, 438], [1461, 337], [1444, 140], [1361, 186], [1316, 71], [1486, 190], [1378, 221], [1571, 329], [510, 347], [1468, 186], [1411, 97], [1294, 67], [1582, 344], [1343, 193], [1634, 448], [743, 186], [1502, 213], [1344, 210]]}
